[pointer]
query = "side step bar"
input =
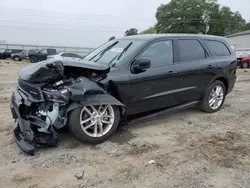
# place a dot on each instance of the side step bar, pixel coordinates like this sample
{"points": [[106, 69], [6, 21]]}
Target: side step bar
{"points": [[165, 111]]}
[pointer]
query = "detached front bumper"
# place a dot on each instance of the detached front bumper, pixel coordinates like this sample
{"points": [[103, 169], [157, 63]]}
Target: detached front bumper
{"points": [[23, 134], [25, 131]]}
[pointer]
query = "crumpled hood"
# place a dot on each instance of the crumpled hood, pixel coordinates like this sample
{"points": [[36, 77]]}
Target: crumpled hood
{"points": [[84, 64], [43, 71]]}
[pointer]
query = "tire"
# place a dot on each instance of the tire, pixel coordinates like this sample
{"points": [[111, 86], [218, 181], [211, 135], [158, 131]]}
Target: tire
{"points": [[244, 65], [33, 59], [205, 106], [16, 58], [76, 129]]}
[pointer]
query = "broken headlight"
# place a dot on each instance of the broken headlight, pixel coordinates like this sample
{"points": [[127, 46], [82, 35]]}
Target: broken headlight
{"points": [[60, 96]]}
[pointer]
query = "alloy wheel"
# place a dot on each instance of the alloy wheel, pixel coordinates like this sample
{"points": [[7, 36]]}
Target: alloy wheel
{"points": [[96, 121], [216, 97], [16, 58], [244, 65]]}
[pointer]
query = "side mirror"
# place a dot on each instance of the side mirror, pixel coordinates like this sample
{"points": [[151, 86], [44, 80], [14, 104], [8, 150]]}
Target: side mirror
{"points": [[141, 65]]}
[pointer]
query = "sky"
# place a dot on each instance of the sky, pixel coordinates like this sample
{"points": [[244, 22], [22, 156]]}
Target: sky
{"points": [[81, 23]]}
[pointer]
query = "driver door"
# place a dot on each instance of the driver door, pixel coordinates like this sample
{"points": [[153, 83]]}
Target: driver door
{"points": [[151, 89]]}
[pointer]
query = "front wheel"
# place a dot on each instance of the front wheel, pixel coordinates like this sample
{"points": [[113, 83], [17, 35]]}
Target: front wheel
{"points": [[244, 65], [94, 124], [214, 97]]}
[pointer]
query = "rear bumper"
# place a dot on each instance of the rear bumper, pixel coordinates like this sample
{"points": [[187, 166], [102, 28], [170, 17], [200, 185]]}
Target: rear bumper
{"points": [[232, 84]]}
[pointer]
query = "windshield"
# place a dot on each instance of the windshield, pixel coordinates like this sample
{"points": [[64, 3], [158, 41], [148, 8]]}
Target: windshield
{"points": [[113, 51]]}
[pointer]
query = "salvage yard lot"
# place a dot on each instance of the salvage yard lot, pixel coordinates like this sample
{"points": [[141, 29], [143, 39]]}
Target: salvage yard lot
{"points": [[191, 149]]}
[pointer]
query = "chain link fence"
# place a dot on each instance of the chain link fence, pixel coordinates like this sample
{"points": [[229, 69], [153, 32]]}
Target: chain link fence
{"points": [[78, 50]]}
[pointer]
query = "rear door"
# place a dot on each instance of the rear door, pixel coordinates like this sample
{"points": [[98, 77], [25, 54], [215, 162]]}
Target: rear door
{"points": [[194, 69]]}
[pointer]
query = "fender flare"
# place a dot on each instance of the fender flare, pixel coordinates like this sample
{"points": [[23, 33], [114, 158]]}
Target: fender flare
{"points": [[219, 78], [97, 99]]}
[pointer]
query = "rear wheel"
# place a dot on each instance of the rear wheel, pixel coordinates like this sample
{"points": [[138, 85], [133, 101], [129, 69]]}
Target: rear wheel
{"points": [[244, 65], [33, 59], [16, 58], [214, 97], [94, 124]]}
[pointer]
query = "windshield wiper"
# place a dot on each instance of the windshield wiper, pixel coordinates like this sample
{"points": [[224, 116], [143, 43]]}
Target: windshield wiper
{"points": [[118, 56], [101, 53]]}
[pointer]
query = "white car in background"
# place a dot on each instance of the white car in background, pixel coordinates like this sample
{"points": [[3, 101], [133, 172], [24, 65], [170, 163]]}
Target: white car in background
{"points": [[65, 56]]}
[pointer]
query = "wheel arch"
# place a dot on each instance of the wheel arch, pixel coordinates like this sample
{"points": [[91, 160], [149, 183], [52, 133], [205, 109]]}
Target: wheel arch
{"points": [[224, 81], [96, 100]]}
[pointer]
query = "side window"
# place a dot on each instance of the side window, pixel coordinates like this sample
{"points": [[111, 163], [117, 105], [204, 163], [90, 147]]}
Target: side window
{"points": [[217, 48], [65, 55], [44, 51], [16, 51], [76, 56], [160, 53], [191, 49]]}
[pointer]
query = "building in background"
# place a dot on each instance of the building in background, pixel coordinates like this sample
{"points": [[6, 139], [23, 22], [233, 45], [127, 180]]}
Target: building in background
{"points": [[240, 40], [241, 43]]}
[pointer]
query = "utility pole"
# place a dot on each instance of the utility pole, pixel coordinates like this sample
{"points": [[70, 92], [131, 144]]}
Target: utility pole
{"points": [[206, 20], [207, 27]]}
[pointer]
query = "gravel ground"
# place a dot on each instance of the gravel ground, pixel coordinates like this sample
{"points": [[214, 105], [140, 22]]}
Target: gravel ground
{"points": [[189, 149]]}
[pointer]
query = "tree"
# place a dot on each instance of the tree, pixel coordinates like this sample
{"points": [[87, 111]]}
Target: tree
{"points": [[246, 27], [132, 31], [195, 16], [112, 38], [150, 30]]}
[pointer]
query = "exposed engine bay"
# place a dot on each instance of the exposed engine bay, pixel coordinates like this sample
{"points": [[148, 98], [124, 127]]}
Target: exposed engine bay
{"points": [[47, 92]]}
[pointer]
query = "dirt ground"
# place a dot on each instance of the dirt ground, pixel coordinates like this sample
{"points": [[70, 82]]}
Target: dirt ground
{"points": [[191, 149]]}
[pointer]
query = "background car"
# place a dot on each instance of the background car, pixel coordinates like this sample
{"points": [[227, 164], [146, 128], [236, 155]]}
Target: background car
{"points": [[7, 53], [65, 55], [244, 62], [242, 57], [40, 55], [20, 56]]}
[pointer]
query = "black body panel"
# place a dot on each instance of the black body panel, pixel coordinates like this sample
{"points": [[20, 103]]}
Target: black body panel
{"points": [[135, 84], [157, 87]]}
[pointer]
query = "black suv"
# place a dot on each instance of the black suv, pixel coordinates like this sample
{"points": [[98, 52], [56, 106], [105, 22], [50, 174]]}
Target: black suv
{"points": [[40, 55], [6, 53], [124, 80]]}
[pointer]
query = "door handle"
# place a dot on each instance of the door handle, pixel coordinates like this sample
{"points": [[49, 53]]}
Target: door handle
{"points": [[171, 72]]}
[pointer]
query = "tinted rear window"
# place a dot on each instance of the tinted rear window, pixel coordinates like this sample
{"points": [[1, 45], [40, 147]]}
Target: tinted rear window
{"points": [[16, 51], [51, 51], [191, 49], [217, 48]]}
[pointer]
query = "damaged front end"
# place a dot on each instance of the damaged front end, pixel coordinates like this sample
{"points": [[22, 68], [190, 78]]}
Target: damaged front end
{"points": [[46, 93], [36, 122]]}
